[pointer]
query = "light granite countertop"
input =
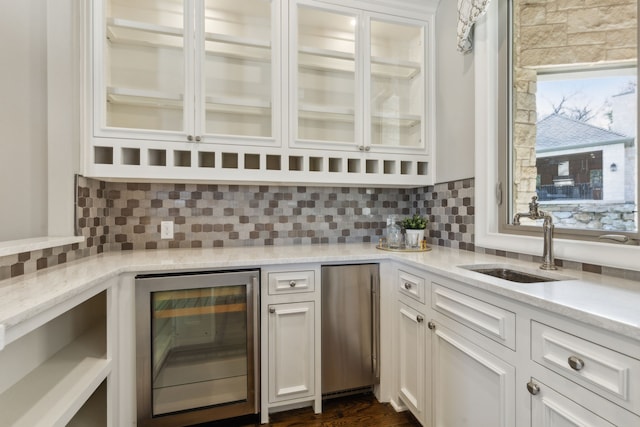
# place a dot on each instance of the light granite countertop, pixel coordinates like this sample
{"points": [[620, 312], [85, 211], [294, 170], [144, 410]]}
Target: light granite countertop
{"points": [[604, 301]]}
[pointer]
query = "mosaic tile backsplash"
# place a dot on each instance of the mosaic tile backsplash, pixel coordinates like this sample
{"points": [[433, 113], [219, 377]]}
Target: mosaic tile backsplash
{"points": [[232, 215], [126, 216]]}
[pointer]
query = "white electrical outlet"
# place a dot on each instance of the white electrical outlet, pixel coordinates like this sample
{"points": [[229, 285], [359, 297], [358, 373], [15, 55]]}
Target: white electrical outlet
{"points": [[166, 229]]}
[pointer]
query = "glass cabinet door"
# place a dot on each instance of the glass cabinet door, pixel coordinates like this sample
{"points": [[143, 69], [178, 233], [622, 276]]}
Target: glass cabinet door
{"points": [[143, 65], [326, 76], [238, 67], [397, 85]]}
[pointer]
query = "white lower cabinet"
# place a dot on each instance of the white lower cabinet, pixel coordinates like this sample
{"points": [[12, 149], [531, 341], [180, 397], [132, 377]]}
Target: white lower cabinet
{"points": [[467, 357], [291, 351], [413, 369], [290, 339], [471, 386]]}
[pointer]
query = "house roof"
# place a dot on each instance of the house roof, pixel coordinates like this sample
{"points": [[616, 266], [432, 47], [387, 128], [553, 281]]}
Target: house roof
{"points": [[557, 132]]}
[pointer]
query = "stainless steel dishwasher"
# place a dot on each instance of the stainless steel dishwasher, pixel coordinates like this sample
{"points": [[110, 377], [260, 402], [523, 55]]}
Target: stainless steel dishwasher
{"points": [[350, 328]]}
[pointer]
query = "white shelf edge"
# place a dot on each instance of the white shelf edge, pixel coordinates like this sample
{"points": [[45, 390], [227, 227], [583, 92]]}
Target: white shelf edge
{"points": [[143, 26], [52, 393], [326, 53], [241, 41], [413, 68], [13, 247], [395, 62], [138, 97], [142, 93], [237, 101]]}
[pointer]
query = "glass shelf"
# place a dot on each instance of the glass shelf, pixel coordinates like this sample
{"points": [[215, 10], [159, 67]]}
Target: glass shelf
{"points": [[146, 98], [124, 31]]}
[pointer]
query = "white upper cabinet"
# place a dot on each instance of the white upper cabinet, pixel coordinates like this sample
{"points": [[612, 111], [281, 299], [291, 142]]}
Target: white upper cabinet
{"points": [[189, 70], [357, 79], [260, 91]]}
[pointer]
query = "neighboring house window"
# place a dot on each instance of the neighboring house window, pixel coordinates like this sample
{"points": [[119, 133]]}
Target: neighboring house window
{"points": [[574, 114]]}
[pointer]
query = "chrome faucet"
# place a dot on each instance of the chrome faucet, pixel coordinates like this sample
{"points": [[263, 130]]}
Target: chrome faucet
{"points": [[547, 230]]}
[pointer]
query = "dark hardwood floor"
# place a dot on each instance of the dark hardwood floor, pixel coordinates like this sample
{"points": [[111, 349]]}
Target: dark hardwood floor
{"points": [[357, 411]]}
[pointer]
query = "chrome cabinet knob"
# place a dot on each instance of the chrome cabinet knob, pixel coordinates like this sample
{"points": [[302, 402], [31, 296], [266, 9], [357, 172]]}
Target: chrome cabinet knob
{"points": [[533, 388], [361, 147], [189, 137], [431, 325], [576, 363], [407, 285], [292, 283], [272, 310], [367, 148], [198, 139], [419, 319]]}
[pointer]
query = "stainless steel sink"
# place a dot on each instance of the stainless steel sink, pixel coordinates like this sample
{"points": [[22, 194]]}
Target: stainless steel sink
{"points": [[513, 275]]}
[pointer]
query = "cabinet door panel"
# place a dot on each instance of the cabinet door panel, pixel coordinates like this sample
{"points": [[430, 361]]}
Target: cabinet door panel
{"points": [[291, 351], [471, 386], [140, 61], [397, 89], [238, 67], [413, 369], [551, 409], [326, 75]]}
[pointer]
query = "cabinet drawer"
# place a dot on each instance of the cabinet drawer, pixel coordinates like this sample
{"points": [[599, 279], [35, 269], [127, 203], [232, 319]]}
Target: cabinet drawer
{"points": [[411, 285], [597, 368], [491, 321], [288, 282]]}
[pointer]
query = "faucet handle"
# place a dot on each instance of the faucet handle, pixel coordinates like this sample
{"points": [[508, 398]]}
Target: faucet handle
{"points": [[533, 206]]}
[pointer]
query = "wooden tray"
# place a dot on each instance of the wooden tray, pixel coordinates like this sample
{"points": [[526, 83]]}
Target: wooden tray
{"points": [[387, 248]]}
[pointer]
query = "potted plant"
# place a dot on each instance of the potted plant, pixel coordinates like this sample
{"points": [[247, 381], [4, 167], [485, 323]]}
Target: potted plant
{"points": [[414, 228]]}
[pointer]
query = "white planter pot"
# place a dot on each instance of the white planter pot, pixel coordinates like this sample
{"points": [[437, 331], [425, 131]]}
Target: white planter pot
{"points": [[413, 238]]}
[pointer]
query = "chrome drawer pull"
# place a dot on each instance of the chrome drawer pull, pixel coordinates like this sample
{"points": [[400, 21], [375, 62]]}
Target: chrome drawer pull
{"points": [[576, 363], [533, 388], [292, 283]]}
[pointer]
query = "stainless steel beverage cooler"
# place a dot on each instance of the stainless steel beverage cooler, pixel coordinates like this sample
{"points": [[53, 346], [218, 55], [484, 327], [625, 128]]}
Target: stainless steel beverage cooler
{"points": [[350, 328], [196, 347]]}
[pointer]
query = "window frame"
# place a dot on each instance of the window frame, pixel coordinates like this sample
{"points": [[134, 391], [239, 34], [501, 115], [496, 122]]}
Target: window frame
{"points": [[505, 142], [492, 230]]}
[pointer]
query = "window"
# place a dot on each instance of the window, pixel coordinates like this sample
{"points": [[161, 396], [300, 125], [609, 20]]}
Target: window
{"points": [[492, 52], [572, 110]]}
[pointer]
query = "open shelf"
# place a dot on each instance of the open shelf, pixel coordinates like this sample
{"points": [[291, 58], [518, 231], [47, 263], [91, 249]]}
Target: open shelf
{"points": [[94, 412], [54, 391]]}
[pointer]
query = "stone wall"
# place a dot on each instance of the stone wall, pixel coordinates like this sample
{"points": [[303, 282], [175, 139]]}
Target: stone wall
{"points": [[594, 216], [557, 33]]}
